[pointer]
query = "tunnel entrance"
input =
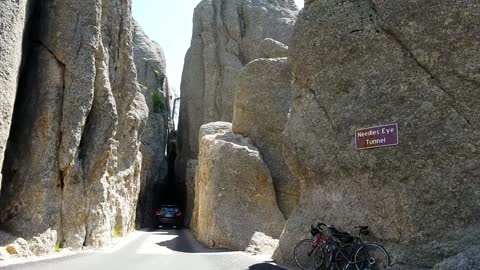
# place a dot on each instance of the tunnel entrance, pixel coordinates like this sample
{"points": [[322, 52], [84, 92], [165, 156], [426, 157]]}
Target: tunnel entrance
{"points": [[169, 194], [163, 188]]}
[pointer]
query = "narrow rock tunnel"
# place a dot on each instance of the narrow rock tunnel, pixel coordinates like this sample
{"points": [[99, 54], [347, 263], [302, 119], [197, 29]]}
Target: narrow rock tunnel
{"points": [[164, 191]]}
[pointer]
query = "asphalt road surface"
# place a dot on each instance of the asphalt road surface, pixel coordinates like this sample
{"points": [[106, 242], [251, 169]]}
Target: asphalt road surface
{"points": [[159, 250]]}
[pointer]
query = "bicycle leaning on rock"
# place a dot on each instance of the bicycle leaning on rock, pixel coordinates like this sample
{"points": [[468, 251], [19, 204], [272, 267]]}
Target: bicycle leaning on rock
{"points": [[331, 249]]}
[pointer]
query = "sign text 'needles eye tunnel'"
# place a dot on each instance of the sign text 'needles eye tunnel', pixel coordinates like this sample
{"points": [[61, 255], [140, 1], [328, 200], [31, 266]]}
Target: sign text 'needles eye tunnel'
{"points": [[374, 137]]}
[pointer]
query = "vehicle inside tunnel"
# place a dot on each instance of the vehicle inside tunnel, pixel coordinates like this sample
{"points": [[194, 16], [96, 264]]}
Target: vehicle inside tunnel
{"points": [[161, 190]]}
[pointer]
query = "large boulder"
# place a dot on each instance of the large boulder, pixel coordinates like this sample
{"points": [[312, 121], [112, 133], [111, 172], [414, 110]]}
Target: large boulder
{"points": [[214, 128], [73, 163], [226, 36], [12, 21], [191, 168], [234, 194], [151, 69], [262, 103], [367, 63]]}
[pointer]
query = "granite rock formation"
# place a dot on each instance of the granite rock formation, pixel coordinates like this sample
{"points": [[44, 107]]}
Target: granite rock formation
{"points": [[270, 48], [191, 169], [226, 36], [467, 260], [151, 74], [366, 63], [234, 194], [262, 102], [12, 24], [72, 164]]}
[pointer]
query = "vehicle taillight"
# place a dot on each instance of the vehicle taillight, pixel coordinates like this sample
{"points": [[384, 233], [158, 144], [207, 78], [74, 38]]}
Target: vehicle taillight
{"points": [[179, 214], [158, 213]]}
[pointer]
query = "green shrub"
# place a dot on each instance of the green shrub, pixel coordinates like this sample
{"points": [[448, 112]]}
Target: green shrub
{"points": [[117, 232], [158, 103], [58, 247]]}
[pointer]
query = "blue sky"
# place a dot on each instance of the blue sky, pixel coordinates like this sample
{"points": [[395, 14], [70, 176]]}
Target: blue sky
{"points": [[169, 22]]}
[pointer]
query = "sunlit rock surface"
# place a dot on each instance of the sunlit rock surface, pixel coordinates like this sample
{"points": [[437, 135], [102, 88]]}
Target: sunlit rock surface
{"points": [[366, 63], [226, 36], [262, 102], [72, 164], [234, 194]]}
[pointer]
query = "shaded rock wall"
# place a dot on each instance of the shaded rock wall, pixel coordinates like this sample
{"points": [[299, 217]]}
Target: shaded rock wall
{"points": [[151, 74], [365, 63], [72, 167], [12, 21], [226, 36]]}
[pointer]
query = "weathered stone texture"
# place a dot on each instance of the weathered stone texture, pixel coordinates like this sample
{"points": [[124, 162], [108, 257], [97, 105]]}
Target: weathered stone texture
{"points": [[270, 48], [467, 260], [365, 63], [12, 24], [191, 168], [190, 172], [234, 194], [214, 128], [262, 103], [73, 161], [226, 36], [151, 74]]}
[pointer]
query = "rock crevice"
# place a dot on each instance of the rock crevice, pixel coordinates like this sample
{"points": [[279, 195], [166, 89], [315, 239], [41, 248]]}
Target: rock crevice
{"points": [[226, 35]]}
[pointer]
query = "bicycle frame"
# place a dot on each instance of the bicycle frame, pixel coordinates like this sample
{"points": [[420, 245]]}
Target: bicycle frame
{"points": [[357, 243], [319, 240]]}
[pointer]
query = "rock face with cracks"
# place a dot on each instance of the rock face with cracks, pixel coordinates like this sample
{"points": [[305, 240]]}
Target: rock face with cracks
{"points": [[234, 194], [151, 69], [226, 36], [72, 164], [262, 103], [367, 63], [207, 129]]}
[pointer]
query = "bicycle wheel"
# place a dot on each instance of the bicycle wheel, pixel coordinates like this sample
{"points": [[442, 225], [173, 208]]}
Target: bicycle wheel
{"points": [[344, 256], [322, 257], [372, 257], [304, 254]]}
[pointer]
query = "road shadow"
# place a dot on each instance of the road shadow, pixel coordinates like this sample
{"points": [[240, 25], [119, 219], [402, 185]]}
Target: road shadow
{"points": [[265, 266], [185, 242], [177, 244], [146, 229]]}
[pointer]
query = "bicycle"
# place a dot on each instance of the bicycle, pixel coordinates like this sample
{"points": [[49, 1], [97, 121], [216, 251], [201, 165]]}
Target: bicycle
{"points": [[305, 252], [347, 252]]}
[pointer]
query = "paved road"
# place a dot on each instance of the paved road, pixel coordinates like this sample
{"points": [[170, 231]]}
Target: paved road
{"points": [[162, 249]]}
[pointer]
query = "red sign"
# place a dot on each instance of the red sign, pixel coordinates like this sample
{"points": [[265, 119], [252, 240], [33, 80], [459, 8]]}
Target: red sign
{"points": [[373, 137]]}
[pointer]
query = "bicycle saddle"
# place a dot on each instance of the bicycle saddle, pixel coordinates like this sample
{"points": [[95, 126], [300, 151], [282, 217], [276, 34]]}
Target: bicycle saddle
{"points": [[363, 230]]}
